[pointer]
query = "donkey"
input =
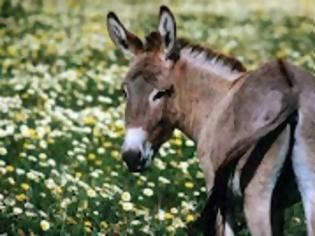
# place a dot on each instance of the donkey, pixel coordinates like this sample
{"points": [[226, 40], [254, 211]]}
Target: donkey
{"points": [[225, 109], [256, 174]]}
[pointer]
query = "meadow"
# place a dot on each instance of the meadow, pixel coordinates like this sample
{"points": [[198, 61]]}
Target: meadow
{"points": [[61, 112]]}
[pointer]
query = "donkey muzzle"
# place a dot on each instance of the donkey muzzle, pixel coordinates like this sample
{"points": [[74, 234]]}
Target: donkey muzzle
{"points": [[134, 161]]}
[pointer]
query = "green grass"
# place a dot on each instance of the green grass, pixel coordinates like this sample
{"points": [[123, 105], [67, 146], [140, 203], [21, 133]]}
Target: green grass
{"points": [[61, 113]]}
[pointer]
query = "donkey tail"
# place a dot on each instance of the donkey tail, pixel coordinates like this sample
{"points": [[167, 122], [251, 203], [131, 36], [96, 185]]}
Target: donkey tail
{"points": [[213, 216], [284, 70]]}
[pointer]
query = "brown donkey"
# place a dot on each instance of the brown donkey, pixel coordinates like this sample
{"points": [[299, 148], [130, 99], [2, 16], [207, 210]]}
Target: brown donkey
{"points": [[256, 179], [226, 110]]}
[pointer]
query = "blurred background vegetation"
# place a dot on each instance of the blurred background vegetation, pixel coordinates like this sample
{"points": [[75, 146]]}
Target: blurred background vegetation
{"points": [[61, 112]]}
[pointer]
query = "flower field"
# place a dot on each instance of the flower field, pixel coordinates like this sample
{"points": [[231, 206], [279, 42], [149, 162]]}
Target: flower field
{"points": [[61, 112]]}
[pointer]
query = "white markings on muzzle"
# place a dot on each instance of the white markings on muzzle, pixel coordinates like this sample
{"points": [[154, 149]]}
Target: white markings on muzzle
{"points": [[135, 140]]}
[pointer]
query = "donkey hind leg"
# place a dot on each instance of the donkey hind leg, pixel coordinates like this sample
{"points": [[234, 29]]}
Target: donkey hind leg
{"points": [[304, 166], [285, 195], [272, 151]]}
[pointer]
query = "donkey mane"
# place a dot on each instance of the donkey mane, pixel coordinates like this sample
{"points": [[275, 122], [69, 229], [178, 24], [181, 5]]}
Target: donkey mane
{"points": [[220, 64], [205, 58]]}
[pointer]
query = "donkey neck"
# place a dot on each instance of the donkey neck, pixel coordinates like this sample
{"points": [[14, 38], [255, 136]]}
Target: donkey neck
{"points": [[199, 91]]}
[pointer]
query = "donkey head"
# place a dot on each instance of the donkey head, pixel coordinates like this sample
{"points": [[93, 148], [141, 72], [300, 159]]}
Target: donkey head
{"points": [[147, 88]]}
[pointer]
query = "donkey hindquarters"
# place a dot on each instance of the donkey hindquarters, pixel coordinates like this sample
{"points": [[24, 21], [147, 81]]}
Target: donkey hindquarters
{"points": [[303, 158], [264, 178], [255, 178]]}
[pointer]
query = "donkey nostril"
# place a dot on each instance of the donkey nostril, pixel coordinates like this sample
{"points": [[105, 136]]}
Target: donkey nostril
{"points": [[132, 158]]}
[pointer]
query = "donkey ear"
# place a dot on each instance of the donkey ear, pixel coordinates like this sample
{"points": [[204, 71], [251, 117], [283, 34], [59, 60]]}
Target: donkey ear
{"points": [[129, 43], [167, 28]]}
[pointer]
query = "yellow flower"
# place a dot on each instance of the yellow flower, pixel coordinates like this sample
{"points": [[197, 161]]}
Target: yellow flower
{"points": [[97, 132], [57, 190], [125, 196], [116, 154], [189, 185], [21, 197], [88, 230], [119, 126], [98, 162], [91, 156], [20, 116], [25, 186], [168, 216], [104, 225], [107, 144], [89, 120], [190, 218], [12, 51], [52, 49], [9, 168], [32, 134], [282, 53], [177, 141], [51, 141], [84, 205], [71, 221], [78, 175], [44, 224], [87, 224]]}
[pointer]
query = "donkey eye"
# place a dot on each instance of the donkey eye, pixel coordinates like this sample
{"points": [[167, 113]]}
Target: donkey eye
{"points": [[159, 94]]}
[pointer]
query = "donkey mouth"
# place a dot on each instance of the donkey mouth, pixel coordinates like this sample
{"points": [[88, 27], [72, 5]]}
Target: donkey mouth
{"points": [[137, 168], [138, 161], [140, 170]]}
